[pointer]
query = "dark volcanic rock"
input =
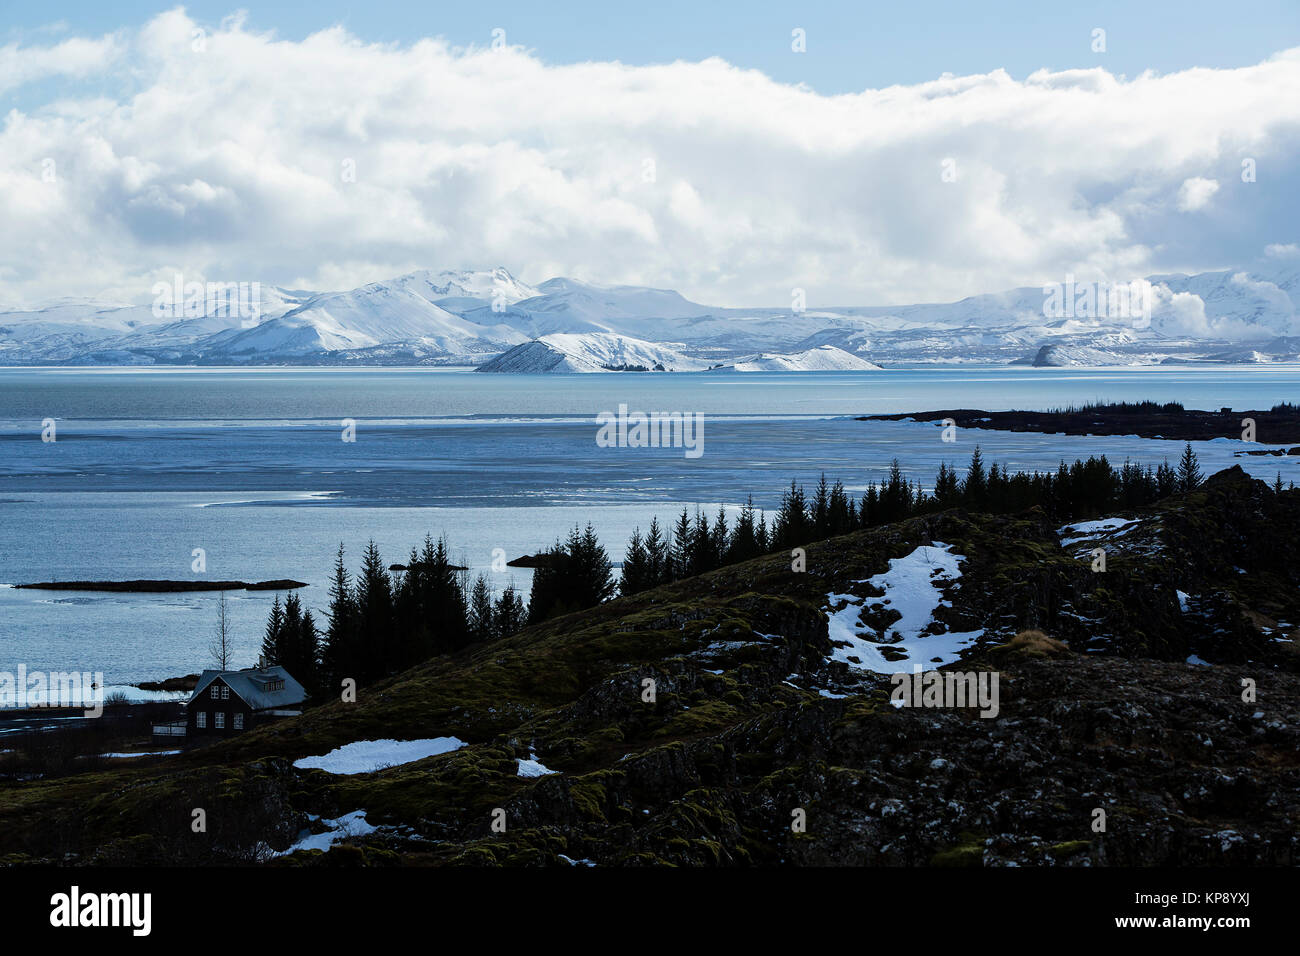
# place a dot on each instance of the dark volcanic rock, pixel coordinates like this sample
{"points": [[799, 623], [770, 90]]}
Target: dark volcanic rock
{"points": [[694, 723]]}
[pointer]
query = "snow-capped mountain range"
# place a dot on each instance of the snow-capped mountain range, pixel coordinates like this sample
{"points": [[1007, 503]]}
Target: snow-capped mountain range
{"points": [[492, 320]]}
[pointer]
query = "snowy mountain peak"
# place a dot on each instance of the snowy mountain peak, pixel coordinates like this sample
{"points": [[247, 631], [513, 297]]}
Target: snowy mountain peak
{"points": [[472, 316]]}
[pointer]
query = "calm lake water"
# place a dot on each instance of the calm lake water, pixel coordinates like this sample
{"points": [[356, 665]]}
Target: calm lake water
{"points": [[251, 466]]}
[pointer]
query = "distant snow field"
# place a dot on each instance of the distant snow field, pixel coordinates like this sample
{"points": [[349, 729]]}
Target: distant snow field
{"points": [[367, 756], [490, 318]]}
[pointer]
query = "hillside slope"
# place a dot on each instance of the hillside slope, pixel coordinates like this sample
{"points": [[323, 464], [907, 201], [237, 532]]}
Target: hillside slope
{"points": [[770, 698]]}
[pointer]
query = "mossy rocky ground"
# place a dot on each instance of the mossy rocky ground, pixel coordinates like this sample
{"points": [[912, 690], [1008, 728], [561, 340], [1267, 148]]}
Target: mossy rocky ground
{"points": [[750, 722]]}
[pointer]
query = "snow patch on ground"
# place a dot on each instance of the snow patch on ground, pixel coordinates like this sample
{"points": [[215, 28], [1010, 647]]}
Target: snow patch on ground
{"points": [[349, 825], [152, 753], [913, 586], [532, 767], [367, 756], [1090, 530]]}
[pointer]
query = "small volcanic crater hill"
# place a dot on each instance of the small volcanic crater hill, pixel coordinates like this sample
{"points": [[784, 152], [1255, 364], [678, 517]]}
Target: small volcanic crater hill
{"points": [[694, 723]]}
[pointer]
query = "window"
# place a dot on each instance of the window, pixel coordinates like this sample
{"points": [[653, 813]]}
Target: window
{"points": [[239, 721], [225, 693], [216, 692], [201, 720], [221, 720]]}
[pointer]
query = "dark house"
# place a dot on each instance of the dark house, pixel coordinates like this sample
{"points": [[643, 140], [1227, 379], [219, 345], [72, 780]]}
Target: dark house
{"points": [[229, 702]]}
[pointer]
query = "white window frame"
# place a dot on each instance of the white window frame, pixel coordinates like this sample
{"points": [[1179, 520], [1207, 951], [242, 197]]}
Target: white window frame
{"points": [[238, 722], [216, 692], [201, 719], [219, 720], [225, 693]]}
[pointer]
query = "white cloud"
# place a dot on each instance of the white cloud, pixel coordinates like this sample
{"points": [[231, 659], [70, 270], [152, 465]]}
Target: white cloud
{"points": [[1278, 251], [226, 163], [1195, 193], [74, 57]]}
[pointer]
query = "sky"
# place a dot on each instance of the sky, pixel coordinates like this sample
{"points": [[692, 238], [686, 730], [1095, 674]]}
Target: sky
{"points": [[867, 153]]}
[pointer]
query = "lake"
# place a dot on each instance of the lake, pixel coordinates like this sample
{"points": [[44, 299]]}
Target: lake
{"points": [[252, 466]]}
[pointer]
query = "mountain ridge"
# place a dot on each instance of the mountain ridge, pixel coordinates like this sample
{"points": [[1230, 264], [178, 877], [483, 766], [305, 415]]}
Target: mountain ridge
{"points": [[469, 317]]}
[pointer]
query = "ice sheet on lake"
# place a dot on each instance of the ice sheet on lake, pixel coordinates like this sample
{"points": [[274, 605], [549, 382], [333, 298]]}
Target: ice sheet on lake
{"points": [[913, 586], [367, 756]]}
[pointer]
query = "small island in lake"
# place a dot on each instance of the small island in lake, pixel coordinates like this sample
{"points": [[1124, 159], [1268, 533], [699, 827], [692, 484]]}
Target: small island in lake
{"points": [[162, 587], [1278, 425]]}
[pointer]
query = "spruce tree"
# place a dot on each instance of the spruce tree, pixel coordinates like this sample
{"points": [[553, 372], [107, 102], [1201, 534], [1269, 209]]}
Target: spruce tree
{"points": [[681, 548], [658, 559], [274, 628], [743, 544], [1189, 470], [481, 626], [837, 511], [339, 653], [508, 614], [719, 538], [374, 603], [636, 576], [976, 484]]}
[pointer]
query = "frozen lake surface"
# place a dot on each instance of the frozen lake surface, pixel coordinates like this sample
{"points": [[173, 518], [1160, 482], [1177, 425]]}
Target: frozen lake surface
{"points": [[251, 466]]}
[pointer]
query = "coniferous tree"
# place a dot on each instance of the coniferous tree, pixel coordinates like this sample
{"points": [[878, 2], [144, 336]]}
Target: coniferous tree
{"points": [[274, 629], [947, 492], [976, 484], [701, 541], [339, 654], [306, 658], [481, 625], [659, 567], [743, 544], [837, 511], [548, 598], [719, 538], [869, 512], [508, 614], [820, 507], [594, 576], [572, 576], [1189, 470], [374, 613], [792, 522], [682, 547], [636, 575]]}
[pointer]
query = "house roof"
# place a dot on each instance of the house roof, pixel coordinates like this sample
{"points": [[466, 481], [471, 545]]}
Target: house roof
{"points": [[251, 685]]}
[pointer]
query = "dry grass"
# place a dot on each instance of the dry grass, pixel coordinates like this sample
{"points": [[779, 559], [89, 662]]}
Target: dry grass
{"points": [[1035, 644]]}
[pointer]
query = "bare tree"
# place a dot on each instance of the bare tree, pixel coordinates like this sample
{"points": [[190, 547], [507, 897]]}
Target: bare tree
{"points": [[220, 649]]}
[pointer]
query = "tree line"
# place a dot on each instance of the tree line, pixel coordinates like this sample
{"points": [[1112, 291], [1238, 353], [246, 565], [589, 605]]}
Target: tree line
{"points": [[381, 621]]}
